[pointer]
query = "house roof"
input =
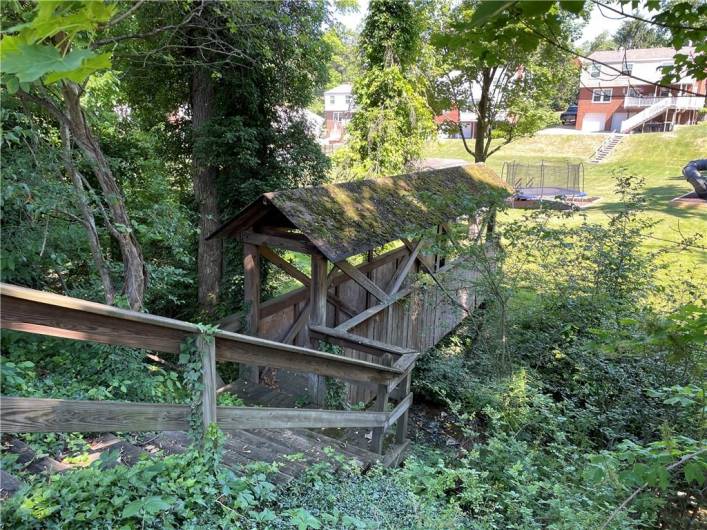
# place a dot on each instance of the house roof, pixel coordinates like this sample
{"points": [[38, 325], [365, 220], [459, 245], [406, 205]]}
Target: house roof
{"points": [[344, 88], [638, 54], [349, 218]]}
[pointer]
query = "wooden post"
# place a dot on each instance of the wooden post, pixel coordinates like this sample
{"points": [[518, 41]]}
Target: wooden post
{"points": [[401, 429], [207, 348], [379, 406], [317, 315], [251, 295]]}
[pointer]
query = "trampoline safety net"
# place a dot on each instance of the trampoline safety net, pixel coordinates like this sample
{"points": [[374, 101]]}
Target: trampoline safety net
{"points": [[543, 180]]}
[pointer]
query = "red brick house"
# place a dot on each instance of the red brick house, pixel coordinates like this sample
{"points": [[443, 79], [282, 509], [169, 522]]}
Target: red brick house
{"points": [[615, 101]]}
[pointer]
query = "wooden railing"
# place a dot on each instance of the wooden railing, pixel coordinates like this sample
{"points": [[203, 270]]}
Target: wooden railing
{"points": [[54, 315]]}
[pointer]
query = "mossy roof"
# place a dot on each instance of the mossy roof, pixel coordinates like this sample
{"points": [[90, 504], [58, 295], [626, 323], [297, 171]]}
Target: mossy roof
{"points": [[349, 218]]}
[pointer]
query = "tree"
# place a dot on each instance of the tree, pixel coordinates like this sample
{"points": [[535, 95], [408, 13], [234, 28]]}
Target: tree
{"points": [[601, 42], [685, 22], [393, 118], [639, 34], [46, 62], [240, 72], [509, 83]]}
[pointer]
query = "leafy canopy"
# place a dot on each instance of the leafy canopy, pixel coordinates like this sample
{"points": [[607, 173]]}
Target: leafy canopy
{"points": [[52, 45]]}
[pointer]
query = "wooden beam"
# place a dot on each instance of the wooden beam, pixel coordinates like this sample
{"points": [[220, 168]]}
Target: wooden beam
{"points": [[297, 325], [62, 415], [357, 342], [293, 243], [284, 265], [361, 279], [275, 305], [379, 406], [318, 291], [394, 456], [207, 348], [397, 280], [251, 297], [61, 316], [236, 418], [373, 311], [399, 410], [301, 277]]}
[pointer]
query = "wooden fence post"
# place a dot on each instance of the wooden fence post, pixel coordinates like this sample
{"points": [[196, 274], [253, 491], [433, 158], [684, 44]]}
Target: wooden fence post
{"points": [[251, 296], [317, 316], [401, 429], [379, 406], [207, 349]]}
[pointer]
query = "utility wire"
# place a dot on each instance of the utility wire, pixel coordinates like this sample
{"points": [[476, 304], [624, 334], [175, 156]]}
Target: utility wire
{"points": [[577, 54]]}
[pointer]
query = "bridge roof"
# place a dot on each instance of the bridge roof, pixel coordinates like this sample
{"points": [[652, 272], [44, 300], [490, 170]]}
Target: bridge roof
{"points": [[349, 218]]}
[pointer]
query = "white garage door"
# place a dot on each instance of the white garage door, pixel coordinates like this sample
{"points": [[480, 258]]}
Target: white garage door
{"points": [[593, 122]]}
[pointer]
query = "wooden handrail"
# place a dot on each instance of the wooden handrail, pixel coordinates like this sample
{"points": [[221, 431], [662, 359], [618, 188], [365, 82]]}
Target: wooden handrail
{"points": [[20, 414], [55, 315]]}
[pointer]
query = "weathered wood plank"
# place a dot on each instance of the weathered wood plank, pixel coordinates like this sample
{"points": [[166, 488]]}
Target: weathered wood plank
{"points": [[399, 277], [361, 279], [251, 297], [286, 242], [379, 406], [357, 342], [284, 265], [236, 418], [62, 415], [207, 348], [399, 410], [61, 316], [373, 311], [278, 355], [297, 325]]}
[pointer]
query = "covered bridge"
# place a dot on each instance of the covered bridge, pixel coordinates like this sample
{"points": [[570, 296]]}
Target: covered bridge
{"points": [[368, 243]]}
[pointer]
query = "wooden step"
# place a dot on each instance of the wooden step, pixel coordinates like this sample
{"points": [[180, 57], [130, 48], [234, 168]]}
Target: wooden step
{"points": [[127, 453]]}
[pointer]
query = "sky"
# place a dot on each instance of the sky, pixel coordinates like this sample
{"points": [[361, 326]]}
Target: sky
{"points": [[598, 21]]}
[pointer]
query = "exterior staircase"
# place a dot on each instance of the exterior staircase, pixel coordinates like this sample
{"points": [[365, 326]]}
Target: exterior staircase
{"points": [[606, 147], [646, 114]]}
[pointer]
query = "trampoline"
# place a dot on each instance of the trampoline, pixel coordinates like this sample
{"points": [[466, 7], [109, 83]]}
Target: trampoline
{"points": [[544, 181]]}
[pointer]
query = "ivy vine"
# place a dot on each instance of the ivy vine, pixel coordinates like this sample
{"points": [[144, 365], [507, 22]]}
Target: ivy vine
{"points": [[192, 375]]}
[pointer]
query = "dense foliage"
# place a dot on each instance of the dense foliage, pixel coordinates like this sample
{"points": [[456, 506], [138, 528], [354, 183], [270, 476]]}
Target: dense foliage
{"points": [[393, 118]]}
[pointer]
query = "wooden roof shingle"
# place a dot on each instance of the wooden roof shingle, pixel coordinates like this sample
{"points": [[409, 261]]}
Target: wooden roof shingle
{"points": [[349, 218]]}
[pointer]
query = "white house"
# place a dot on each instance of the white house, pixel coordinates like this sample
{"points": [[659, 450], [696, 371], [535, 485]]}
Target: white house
{"points": [[338, 108], [621, 95]]}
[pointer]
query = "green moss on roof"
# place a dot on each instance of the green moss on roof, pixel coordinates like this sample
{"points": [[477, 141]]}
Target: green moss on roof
{"points": [[353, 217]]}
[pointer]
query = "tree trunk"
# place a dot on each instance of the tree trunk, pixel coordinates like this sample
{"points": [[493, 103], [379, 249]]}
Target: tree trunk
{"points": [[210, 253], [483, 123], [135, 273], [89, 220]]}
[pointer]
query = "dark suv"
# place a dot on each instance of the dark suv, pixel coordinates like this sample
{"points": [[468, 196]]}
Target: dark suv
{"points": [[569, 117]]}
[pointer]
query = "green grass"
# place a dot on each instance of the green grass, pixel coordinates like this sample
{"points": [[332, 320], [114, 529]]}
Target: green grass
{"points": [[657, 157]]}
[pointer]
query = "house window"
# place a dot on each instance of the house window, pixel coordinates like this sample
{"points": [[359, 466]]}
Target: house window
{"points": [[601, 95], [626, 68], [633, 93], [349, 99], [332, 99], [595, 70]]}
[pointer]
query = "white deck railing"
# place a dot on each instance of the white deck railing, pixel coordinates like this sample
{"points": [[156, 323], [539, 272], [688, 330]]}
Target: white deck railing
{"points": [[675, 102]]}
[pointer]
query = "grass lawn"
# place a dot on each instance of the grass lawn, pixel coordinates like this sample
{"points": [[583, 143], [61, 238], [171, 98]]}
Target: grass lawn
{"points": [[657, 157]]}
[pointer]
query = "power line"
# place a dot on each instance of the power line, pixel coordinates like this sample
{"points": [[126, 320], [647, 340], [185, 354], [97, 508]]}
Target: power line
{"points": [[635, 17], [577, 54]]}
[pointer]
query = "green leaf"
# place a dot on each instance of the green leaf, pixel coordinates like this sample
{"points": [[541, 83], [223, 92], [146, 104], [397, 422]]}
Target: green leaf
{"points": [[132, 509], [31, 61], [12, 84], [573, 6], [535, 8], [88, 67], [488, 10], [156, 504], [695, 472]]}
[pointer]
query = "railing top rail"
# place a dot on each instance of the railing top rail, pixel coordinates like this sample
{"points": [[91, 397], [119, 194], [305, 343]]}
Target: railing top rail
{"points": [[42, 313]]}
